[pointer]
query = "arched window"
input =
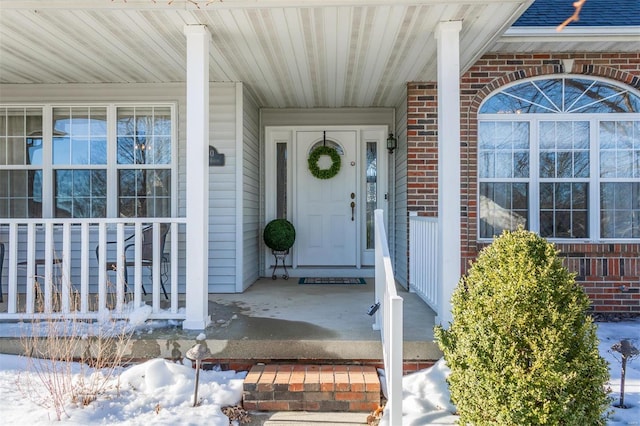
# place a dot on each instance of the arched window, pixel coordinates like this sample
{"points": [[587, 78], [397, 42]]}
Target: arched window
{"points": [[560, 156]]}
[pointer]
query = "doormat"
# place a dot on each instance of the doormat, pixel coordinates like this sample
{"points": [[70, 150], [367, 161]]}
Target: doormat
{"points": [[332, 280]]}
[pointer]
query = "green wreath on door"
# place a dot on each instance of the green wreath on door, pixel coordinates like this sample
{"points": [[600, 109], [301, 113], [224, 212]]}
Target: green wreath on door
{"points": [[314, 157]]}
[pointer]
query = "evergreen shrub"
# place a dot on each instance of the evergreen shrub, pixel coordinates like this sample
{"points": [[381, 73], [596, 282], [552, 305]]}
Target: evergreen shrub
{"points": [[279, 235], [522, 348]]}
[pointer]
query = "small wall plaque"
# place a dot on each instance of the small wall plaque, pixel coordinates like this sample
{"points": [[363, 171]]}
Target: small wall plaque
{"points": [[215, 158]]}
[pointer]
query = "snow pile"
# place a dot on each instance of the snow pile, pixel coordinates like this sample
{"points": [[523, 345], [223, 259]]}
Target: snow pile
{"points": [[71, 325], [159, 392], [426, 398], [140, 315], [156, 392]]}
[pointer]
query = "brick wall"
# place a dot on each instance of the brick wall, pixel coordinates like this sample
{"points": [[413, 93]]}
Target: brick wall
{"points": [[610, 273]]}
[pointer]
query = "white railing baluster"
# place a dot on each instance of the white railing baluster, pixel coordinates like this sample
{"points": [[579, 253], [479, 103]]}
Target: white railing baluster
{"points": [[65, 268], [13, 269], [50, 267], [414, 248], [31, 259], [389, 319], [423, 259], [137, 260], [84, 268], [155, 269], [396, 340], [102, 270], [174, 269], [433, 261], [122, 264]]}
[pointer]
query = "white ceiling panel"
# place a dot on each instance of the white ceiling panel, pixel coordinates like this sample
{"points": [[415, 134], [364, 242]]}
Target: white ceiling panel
{"points": [[301, 53]]}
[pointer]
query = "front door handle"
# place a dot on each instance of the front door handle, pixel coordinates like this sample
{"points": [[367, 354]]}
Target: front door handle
{"points": [[353, 209]]}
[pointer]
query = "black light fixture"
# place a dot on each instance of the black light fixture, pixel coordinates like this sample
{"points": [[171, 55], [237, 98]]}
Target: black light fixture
{"points": [[392, 143]]}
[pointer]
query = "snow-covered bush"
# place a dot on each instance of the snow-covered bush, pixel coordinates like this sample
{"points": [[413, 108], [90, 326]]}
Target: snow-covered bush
{"points": [[521, 347]]}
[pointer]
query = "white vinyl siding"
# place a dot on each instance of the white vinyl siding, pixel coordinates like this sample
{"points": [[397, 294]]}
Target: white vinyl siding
{"points": [[327, 116], [250, 191], [222, 190], [398, 210]]}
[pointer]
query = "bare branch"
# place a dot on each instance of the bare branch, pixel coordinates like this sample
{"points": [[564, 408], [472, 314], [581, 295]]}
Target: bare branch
{"points": [[573, 18]]}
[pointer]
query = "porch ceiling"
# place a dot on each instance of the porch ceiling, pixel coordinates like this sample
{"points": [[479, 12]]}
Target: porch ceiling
{"points": [[339, 53]]}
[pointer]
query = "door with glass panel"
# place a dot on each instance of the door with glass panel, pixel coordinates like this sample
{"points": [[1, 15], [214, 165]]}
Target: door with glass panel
{"points": [[333, 217]]}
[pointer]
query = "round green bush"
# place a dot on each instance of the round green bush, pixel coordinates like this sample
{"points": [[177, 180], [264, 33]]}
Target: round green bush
{"points": [[521, 348], [279, 235]]}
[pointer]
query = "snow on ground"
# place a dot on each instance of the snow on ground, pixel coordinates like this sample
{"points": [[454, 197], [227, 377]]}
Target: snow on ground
{"points": [[159, 392], [156, 392], [610, 333], [426, 394]]}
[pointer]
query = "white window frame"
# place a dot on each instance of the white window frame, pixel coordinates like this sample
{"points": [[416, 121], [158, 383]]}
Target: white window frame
{"points": [[112, 210], [111, 167], [18, 167], [594, 179]]}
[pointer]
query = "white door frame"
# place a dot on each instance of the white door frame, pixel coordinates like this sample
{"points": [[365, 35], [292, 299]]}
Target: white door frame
{"points": [[286, 134]]}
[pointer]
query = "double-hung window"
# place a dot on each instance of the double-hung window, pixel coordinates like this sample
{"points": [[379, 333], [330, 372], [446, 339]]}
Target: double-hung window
{"points": [[87, 161], [21, 162], [560, 156], [79, 162], [619, 178], [144, 161]]}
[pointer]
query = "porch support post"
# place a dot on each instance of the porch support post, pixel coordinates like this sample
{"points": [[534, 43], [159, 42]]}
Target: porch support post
{"points": [[197, 134], [448, 57]]}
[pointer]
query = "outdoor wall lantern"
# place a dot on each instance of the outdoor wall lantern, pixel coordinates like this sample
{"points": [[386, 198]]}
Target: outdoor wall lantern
{"points": [[392, 143]]}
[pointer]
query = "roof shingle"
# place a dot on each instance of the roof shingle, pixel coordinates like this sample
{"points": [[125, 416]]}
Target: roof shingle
{"points": [[594, 13]]}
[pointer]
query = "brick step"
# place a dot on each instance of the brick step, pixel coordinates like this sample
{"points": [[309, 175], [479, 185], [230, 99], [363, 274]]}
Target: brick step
{"points": [[299, 387]]}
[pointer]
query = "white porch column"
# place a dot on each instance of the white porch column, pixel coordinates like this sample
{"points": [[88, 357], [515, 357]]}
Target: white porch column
{"points": [[197, 168], [448, 45]]}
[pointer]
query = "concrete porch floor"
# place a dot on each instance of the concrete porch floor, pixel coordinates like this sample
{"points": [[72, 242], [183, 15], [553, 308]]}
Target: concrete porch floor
{"points": [[326, 321], [280, 320]]}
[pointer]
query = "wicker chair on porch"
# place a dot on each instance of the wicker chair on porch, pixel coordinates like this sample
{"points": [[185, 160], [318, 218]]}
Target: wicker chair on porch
{"points": [[147, 255]]}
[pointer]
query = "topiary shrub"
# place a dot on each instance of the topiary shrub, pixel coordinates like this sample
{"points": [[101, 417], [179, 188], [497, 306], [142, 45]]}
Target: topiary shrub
{"points": [[279, 235], [521, 347]]}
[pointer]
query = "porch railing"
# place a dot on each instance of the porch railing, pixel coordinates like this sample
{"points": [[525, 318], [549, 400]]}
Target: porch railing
{"points": [[423, 259], [51, 270], [389, 322]]}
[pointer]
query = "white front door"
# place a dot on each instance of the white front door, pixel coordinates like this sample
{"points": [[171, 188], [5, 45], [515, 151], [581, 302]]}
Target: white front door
{"points": [[331, 236], [326, 210]]}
